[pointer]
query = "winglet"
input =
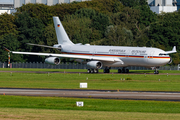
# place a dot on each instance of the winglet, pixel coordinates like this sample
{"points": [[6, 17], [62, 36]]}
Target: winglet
{"points": [[6, 49]]}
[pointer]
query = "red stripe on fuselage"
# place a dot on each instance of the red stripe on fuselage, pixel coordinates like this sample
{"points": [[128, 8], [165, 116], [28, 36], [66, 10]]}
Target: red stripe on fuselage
{"points": [[110, 55]]}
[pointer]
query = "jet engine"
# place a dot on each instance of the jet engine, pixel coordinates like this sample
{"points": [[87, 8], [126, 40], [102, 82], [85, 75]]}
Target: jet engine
{"points": [[94, 64], [52, 60]]}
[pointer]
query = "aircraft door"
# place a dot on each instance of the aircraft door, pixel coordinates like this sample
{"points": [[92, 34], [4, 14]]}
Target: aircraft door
{"points": [[151, 55], [146, 58], [94, 52], [127, 53]]}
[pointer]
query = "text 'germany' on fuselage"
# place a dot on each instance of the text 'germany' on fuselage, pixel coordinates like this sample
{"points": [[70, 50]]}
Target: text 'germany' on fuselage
{"points": [[131, 56]]}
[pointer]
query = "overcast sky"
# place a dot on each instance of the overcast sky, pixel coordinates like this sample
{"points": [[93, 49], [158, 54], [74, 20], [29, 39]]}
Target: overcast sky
{"points": [[6, 1]]}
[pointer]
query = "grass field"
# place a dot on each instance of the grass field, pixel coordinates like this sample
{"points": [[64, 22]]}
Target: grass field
{"points": [[140, 82], [61, 103], [24, 107], [47, 114]]}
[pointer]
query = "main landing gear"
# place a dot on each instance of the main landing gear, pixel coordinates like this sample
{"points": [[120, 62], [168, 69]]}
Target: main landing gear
{"points": [[123, 70], [93, 71], [156, 71], [107, 69]]}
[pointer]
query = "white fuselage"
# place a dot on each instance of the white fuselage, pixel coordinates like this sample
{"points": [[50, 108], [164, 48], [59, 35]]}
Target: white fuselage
{"points": [[131, 56]]}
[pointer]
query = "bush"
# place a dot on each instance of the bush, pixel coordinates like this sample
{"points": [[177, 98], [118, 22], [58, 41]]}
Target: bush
{"points": [[128, 78]]}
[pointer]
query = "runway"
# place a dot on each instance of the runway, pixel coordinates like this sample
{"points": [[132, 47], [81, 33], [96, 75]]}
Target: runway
{"points": [[100, 94]]}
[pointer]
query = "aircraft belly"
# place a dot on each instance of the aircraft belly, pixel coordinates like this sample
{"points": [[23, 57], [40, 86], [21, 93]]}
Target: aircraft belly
{"points": [[157, 62], [114, 64], [146, 62], [135, 61]]}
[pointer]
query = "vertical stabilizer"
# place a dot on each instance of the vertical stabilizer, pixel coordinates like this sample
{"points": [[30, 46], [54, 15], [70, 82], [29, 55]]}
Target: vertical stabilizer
{"points": [[61, 34]]}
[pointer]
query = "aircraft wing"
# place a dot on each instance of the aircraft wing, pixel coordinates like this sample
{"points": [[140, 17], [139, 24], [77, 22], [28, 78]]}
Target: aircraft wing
{"points": [[108, 59]]}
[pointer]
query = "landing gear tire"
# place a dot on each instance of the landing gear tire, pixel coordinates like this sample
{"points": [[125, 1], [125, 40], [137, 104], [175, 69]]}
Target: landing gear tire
{"points": [[119, 71], [127, 71], [93, 71], [96, 71], [123, 70], [106, 70], [156, 72], [89, 71]]}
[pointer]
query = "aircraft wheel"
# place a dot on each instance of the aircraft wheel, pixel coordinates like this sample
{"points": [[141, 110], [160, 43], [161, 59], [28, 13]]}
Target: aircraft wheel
{"points": [[96, 71], [127, 70], [156, 72], [123, 70], [92, 70], [89, 71], [119, 71], [106, 70]]}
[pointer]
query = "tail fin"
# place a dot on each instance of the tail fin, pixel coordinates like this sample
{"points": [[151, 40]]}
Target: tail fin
{"points": [[61, 34]]}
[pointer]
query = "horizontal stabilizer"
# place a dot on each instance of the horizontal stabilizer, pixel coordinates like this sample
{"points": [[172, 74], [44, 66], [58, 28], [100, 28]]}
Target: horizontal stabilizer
{"points": [[43, 46]]}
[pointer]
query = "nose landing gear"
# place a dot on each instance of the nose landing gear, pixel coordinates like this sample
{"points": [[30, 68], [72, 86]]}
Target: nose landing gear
{"points": [[156, 70]]}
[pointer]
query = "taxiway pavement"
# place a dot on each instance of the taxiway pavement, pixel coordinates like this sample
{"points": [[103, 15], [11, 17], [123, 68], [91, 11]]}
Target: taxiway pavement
{"points": [[126, 95]]}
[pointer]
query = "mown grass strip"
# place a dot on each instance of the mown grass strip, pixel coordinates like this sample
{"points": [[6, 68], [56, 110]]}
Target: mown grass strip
{"points": [[89, 104], [49, 114], [141, 82]]}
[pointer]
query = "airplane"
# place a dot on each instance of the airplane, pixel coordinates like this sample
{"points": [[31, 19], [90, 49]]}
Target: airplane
{"points": [[96, 56]]}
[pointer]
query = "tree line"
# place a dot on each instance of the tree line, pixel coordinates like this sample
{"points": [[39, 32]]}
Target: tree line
{"points": [[99, 22]]}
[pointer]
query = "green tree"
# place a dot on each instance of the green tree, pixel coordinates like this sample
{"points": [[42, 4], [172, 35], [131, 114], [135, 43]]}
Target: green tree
{"points": [[166, 31], [10, 41], [129, 19], [30, 31], [100, 22], [133, 3], [115, 36], [86, 12], [39, 11], [117, 7], [146, 15], [49, 38], [78, 29], [128, 36], [7, 24]]}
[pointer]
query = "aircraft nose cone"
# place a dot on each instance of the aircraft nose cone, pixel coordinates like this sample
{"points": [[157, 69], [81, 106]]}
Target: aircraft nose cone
{"points": [[170, 61]]}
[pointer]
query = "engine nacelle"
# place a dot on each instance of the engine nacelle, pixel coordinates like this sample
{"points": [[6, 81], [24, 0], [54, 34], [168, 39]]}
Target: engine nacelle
{"points": [[52, 60], [94, 64]]}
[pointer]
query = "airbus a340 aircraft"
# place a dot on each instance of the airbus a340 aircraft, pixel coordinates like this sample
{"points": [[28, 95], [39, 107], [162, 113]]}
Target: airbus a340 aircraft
{"points": [[97, 57]]}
